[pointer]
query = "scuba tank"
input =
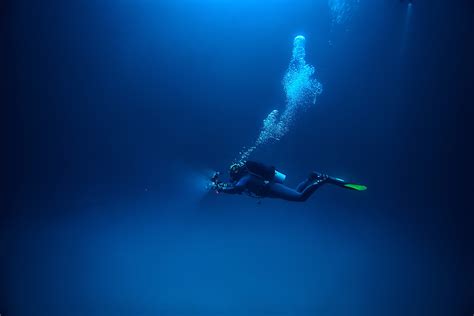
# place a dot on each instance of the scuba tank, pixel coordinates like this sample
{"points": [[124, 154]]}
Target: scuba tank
{"points": [[279, 177], [267, 173]]}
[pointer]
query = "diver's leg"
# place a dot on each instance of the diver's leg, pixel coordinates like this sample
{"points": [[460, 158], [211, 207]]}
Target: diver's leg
{"points": [[312, 177], [280, 191], [303, 185], [311, 189]]}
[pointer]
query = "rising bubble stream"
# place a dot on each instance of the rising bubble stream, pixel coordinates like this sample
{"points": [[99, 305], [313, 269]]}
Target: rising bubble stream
{"points": [[301, 91]]}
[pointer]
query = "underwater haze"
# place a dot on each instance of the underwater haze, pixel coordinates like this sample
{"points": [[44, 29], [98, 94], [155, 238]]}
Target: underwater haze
{"points": [[116, 113]]}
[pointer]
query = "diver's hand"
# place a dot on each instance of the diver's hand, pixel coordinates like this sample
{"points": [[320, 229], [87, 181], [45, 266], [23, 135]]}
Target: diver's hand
{"points": [[212, 186], [220, 187], [215, 177], [216, 186], [215, 183]]}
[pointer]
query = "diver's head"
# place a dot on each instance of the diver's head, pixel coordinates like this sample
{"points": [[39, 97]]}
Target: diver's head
{"points": [[235, 171]]}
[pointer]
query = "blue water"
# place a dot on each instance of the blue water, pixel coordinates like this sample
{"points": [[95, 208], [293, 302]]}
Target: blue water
{"points": [[120, 110]]}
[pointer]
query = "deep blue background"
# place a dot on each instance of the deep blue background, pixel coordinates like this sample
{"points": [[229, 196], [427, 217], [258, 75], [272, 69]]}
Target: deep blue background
{"points": [[113, 110]]}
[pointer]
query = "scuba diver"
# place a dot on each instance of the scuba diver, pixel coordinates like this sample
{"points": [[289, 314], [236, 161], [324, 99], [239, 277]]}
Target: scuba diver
{"points": [[259, 180]]}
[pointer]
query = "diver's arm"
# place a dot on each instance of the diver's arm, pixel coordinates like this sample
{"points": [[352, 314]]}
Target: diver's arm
{"points": [[230, 188]]}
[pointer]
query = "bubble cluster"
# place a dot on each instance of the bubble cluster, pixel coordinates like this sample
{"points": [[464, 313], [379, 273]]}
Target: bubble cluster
{"points": [[341, 10], [299, 87], [301, 91]]}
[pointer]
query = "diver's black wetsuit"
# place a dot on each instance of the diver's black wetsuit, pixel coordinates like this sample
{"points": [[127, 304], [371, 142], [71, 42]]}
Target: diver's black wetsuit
{"points": [[252, 181]]}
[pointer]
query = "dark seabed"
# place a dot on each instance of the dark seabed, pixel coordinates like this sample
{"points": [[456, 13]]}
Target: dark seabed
{"points": [[115, 111]]}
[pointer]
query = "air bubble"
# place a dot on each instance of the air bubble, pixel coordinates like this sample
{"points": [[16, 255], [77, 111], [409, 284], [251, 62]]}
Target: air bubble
{"points": [[301, 91]]}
